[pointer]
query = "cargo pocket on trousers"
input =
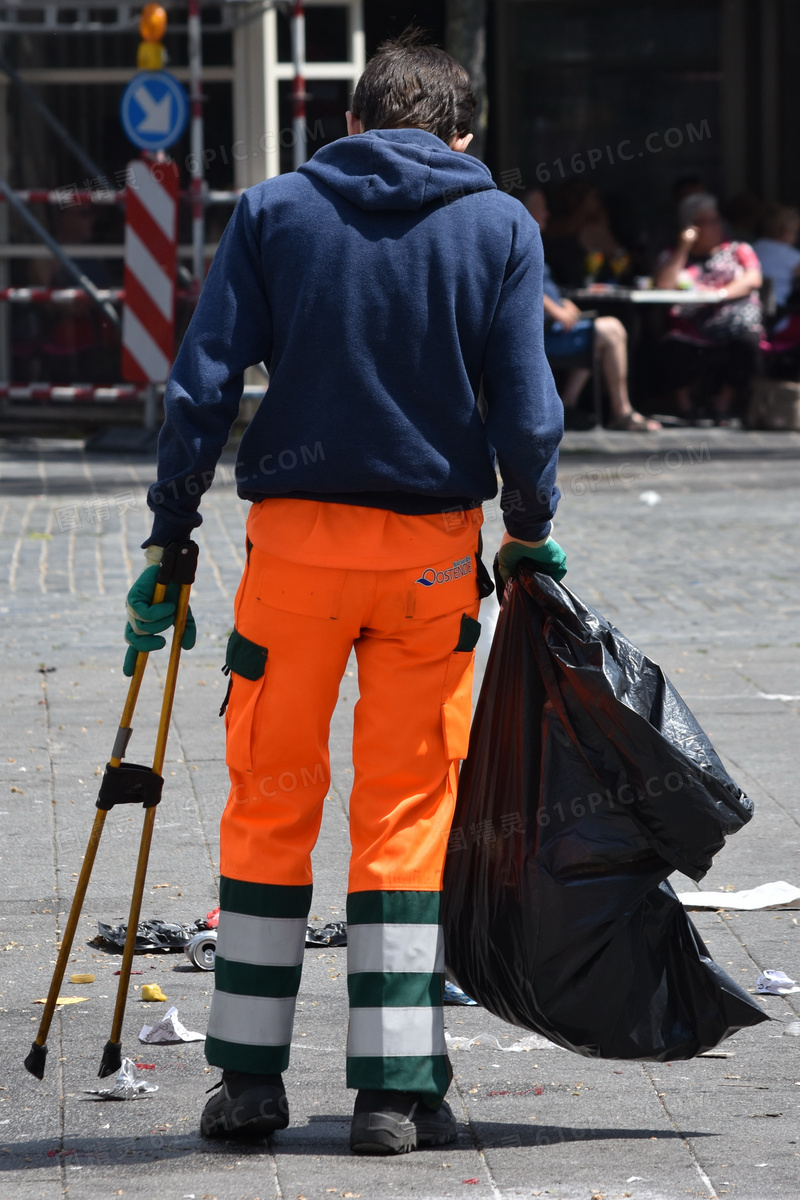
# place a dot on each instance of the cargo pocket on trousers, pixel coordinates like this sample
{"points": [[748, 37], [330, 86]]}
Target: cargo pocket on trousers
{"points": [[246, 664], [457, 691]]}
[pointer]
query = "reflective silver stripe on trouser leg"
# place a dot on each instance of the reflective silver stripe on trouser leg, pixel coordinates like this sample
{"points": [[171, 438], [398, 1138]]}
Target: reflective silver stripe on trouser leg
{"points": [[258, 967], [396, 1034]]}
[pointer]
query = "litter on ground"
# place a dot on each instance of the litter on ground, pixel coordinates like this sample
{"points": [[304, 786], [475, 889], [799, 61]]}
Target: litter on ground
{"points": [[169, 1029]]}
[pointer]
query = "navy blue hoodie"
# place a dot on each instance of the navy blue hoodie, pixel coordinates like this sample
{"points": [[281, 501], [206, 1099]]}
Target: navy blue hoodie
{"points": [[396, 297]]}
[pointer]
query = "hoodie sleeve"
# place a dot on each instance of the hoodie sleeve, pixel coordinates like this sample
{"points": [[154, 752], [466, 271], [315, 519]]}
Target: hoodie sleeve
{"points": [[231, 330], [525, 416]]}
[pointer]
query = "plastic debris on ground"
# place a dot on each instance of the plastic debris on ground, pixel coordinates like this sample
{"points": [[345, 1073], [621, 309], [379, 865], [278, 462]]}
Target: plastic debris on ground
{"points": [[454, 995], [152, 991], [79, 978], [127, 1084], [793, 1029], [212, 918], [588, 782], [151, 934], [169, 1029], [767, 895], [650, 498], [775, 983], [534, 1041], [332, 934]]}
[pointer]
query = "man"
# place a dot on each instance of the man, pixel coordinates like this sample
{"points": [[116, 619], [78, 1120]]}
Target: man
{"points": [[570, 333], [396, 297]]}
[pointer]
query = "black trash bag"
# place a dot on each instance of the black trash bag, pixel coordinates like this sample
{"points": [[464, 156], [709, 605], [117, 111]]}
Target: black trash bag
{"points": [[151, 934], [588, 782], [332, 934]]}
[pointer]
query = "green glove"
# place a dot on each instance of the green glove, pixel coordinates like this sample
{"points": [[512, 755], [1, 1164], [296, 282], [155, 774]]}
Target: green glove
{"points": [[548, 558], [146, 621]]}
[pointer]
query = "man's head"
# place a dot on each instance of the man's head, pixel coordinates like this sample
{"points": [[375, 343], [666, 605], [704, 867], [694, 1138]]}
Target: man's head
{"points": [[408, 84]]}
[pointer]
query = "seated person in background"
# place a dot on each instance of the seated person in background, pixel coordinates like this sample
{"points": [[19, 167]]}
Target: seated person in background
{"points": [[568, 332], [580, 245], [777, 252], [727, 333]]}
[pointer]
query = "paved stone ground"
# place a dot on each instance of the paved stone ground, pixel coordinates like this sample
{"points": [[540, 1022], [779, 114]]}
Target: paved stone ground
{"points": [[688, 540]]}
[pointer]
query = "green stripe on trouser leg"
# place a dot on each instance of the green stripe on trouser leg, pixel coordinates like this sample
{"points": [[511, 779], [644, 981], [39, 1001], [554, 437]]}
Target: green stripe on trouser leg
{"points": [[260, 945], [395, 980]]}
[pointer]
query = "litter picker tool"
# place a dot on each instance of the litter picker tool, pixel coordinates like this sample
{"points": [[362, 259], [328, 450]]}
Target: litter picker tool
{"points": [[126, 783]]}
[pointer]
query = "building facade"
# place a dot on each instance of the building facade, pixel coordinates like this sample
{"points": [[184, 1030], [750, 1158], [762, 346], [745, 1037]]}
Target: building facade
{"points": [[632, 95]]}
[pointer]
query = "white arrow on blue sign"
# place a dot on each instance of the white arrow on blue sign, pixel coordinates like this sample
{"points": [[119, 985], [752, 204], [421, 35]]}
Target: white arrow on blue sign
{"points": [[154, 110]]}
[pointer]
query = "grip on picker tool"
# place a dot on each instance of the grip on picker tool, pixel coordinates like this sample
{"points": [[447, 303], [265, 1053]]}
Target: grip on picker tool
{"points": [[178, 563], [129, 783]]}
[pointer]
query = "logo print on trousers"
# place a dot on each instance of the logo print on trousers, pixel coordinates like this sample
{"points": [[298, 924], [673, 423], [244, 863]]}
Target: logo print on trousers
{"points": [[462, 566]]}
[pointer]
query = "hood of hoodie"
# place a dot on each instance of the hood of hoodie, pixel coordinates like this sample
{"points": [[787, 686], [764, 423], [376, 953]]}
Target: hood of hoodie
{"points": [[396, 169]]}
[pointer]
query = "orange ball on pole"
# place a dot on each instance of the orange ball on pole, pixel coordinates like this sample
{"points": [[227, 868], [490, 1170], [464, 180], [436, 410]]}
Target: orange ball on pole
{"points": [[153, 23]]}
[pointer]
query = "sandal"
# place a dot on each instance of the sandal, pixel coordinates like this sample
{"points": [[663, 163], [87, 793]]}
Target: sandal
{"points": [[634, 422]]}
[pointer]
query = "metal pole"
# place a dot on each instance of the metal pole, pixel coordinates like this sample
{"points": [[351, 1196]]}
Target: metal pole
{"points": [[53, 246], [150, 405], [299, 83], [196, 158], [63, 134]]}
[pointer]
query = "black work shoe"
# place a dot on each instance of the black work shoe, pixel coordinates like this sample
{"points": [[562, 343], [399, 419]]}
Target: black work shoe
{"points": [[246, 1107], [398, 1122]]}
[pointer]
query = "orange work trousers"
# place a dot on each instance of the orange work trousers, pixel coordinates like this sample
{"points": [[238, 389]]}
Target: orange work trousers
{"points": [[402, 591]]}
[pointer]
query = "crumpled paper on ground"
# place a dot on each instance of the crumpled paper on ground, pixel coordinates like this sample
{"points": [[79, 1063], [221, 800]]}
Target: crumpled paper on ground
{"points": [[534, 1041], [169, 1029], [775, 983], [767, 895], [127, 1084]]}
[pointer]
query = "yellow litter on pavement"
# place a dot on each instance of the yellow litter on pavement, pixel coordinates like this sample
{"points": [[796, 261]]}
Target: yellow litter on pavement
{"points": [[152, 991], [62, 1000]]}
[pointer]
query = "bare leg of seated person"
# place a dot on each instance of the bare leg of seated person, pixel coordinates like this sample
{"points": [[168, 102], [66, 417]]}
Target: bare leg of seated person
{"points": [[574, 384], [611, 347]]}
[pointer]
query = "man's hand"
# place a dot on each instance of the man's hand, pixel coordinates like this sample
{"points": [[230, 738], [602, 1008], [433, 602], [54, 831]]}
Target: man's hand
{"points": [[546, 556], [147, 621]]}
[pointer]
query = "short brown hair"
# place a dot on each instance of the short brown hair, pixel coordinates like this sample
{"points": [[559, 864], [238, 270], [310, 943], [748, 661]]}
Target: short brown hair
{"points": [[411, 84]]}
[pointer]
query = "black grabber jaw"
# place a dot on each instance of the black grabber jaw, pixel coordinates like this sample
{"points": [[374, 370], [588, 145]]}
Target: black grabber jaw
{"points": [[36, 1060]]}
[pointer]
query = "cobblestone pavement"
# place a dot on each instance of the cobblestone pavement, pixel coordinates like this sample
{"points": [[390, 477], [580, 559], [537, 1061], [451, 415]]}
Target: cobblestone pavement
{"points": [[688, 540]]}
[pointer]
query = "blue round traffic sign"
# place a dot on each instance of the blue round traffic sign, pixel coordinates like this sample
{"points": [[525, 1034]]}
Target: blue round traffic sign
{"points": [[154, 110]]}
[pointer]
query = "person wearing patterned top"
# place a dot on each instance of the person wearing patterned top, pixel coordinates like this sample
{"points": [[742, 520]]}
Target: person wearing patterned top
{"points": [[724, 335]]}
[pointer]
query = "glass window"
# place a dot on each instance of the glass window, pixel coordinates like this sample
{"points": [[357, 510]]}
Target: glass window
{"points": [[328, 101], [623, 94], [326, 34]]}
